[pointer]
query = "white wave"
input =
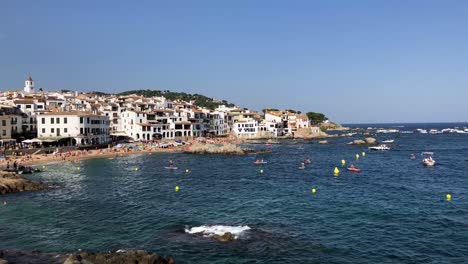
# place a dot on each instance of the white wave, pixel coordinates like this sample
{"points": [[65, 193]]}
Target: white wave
{"points": [[211, 230]]}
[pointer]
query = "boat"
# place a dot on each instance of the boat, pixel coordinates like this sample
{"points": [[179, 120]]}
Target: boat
{"points": [[427, 159], [388, 141], [382, 147], [171, 168], [260, 162], [352, 169]]}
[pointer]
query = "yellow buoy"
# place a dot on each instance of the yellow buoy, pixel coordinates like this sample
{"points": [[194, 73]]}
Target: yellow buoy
{"points": [[77, 168], [363, 154], [343, 162], [136, 169], [177, 188], [314, 190], [187, 171], [448, 196], [43, 167], [336, 171], [357, 156], [261, 171]]}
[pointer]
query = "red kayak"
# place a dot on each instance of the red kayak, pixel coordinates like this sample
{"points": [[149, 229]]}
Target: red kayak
{"points": [[354, 169]]}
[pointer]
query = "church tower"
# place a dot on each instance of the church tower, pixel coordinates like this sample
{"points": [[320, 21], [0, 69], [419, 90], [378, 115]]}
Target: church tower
{"points": [[29, 85]]}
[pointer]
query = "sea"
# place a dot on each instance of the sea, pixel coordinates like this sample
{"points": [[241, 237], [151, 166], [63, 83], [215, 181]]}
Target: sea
{"points": [[394, 211]]}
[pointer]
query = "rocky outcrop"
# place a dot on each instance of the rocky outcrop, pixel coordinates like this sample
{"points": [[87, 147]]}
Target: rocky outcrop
{"points": [[132, 256], [11, 182], [369, 141], [225, 149], [226, 237]]}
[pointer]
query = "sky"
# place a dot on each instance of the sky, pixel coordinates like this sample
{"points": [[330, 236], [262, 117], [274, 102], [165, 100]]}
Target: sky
{"points": [[355, 61]]}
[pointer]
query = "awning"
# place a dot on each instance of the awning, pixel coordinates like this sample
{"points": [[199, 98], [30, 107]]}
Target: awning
{"points": [[52, 139], [119, 134]]}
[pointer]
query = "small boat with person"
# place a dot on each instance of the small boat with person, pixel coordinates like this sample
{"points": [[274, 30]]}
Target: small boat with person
{"points": [[353, 169], [260, 161], [382, 147], [427, 159], [388, 141]]}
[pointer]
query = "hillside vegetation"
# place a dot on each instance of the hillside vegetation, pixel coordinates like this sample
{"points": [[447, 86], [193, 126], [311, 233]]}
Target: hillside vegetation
{"points": [[200, 100]]}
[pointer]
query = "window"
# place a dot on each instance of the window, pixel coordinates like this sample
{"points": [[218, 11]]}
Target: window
{"points": [[39, 106], [81, 120], [3, 122], [65, 120], [4, 132], [43, 120], [87, 120], [43, 130], [52, 130], [65, 130], [28, 106], [58, 120], [52, 120]]}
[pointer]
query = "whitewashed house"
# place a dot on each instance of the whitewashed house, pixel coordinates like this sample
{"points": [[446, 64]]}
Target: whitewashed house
{"points": [[74, 128], [246, 128]]}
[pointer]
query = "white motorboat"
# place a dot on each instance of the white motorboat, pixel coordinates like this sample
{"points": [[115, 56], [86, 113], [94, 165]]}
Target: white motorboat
{"points": [[380, 147], [388, 141], [427, 159]]}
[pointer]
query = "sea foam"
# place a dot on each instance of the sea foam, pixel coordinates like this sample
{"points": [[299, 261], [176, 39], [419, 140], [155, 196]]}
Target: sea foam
{"points": [[211, 230]]}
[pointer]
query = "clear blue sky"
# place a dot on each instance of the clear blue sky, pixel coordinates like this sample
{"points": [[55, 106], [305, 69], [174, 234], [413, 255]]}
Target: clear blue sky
{"points": [[355, 61]]}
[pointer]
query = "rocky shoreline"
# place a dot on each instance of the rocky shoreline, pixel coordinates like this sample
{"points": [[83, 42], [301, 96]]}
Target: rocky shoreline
{"points": [[11, 182], [83, 257]]}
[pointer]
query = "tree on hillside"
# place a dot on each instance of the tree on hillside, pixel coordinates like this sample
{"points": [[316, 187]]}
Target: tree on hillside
{"points": [[269, 109], [316, 118]]}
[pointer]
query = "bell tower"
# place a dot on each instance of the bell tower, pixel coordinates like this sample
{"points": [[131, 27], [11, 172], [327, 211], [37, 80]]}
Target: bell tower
{"points": [[29, 85]]}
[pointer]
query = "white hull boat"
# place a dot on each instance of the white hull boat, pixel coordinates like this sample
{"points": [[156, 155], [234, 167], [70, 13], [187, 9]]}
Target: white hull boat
{"points": [[380, 148], [428, 160]]}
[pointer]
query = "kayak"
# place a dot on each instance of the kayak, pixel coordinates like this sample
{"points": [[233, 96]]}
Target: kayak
{"points": [[354, 169], [171, 168], [260, 162]]}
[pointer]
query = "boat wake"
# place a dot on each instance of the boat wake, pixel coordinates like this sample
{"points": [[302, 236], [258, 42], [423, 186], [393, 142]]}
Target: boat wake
{"points": [[211, 230]]}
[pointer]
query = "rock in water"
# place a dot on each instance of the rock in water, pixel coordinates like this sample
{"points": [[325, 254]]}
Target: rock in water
{"points": [[11, 182], [132, 256], [226, 237], [370, 141]]}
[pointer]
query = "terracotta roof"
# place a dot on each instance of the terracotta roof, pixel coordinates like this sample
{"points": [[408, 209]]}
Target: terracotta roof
{"points": [[24, 101], [72, 113], [183, 123]]}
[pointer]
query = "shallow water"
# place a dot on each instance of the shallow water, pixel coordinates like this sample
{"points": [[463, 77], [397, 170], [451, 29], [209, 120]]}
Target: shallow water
{"points": [[393, 212]]}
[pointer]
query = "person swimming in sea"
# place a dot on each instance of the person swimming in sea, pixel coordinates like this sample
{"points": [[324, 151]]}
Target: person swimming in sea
{"points": [[302, 166], [307, 161]]}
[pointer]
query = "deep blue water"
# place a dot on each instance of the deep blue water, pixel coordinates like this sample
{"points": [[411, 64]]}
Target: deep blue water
{"points": [[393, 212]]}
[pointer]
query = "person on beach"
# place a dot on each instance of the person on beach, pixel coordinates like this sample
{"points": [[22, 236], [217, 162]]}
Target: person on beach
{"points": [[15, 165], [8, 165]]}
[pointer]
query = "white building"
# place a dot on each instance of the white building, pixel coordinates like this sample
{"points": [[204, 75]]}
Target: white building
{"points": [[246, 128], [75, 128], [29, 85]]}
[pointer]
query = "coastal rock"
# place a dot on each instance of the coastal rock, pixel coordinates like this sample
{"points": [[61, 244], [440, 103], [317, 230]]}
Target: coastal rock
{"points": [[227, 237], [225, 149], [366, 141], [132, 256], [11, 182]]}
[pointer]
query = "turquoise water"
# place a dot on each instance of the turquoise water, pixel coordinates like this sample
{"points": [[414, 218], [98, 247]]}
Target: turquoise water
{"points": [[393, 212]]}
